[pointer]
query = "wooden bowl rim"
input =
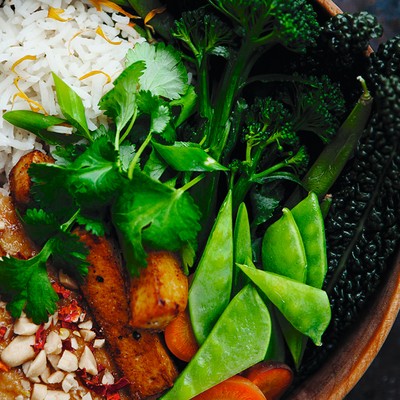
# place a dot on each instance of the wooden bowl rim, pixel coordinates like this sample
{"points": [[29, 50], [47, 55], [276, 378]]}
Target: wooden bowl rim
{"points": [[343, 369]]}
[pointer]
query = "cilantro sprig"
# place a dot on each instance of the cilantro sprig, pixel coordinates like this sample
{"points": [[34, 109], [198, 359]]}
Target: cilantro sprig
{"points": [[132, 177]]}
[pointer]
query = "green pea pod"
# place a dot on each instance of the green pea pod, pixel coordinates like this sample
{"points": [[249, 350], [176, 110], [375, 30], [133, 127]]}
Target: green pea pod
{"points": [[210, 291], [282, 249], [242, 246], [233, 345], [243, 254], [305, 307], [308, 217]]}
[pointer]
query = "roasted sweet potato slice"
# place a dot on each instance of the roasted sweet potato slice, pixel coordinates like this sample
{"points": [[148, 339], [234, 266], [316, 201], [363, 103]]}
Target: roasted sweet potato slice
{"points": [[160, 293]]}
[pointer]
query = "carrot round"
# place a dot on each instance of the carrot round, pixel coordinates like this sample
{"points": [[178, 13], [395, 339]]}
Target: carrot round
{"points": [[273, 378], [235, 388], [179, 337]]}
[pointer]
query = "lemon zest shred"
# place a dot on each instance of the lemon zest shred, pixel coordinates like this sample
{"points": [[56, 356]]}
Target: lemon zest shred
{"points": [[150, 15], [113, 6], [100, 32], [20, 60], [34, 105], [96, 72], [73, 37], [55, 13]]}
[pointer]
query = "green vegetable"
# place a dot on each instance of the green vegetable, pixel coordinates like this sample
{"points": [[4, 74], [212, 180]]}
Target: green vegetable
{"points": [[233, 345], [283, 250], [308, 217], [210, 291], [331, 161], [305, 307]]}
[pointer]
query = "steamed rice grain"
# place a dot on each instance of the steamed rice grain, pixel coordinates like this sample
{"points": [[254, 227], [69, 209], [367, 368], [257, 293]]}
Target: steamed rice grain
{"points": [[71, 49]]}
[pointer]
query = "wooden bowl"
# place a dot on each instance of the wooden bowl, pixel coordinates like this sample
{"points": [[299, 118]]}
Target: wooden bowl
{"points": [[342, 370]]}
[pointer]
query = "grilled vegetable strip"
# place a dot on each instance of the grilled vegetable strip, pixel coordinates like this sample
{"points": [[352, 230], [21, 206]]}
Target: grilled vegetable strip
{"points": [[140, 355], [20, 182]]}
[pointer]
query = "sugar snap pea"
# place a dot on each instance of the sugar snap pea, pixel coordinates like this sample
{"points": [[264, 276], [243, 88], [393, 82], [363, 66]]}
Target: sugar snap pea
{"points": [[305, 307], [238, 340], [242, 246], [308, 217], [282, 248], [210, 291]]}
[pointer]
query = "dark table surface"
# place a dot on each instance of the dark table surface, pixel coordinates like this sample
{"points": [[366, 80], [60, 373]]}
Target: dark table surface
{"points": [[382, 379]]}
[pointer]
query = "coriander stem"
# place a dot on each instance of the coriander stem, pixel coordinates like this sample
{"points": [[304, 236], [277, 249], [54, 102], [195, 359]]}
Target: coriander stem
{"points": [[128, 129], [135, 159], [66, 225], [193, 182]]}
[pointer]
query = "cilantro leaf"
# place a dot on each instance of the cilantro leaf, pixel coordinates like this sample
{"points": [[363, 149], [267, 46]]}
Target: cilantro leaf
{"points": [[40, 225], [94, 176], [126, 153], [157, 109], [70, 254], [28, 285], [119, 103], [165, 74], [92, 223], [148, 213], [187, 103]]}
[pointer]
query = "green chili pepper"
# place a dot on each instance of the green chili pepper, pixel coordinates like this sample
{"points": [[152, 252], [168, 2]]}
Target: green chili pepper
{"points": [[305, 307], [282, 249], [308, 217], [210, 291], [233, 345]]}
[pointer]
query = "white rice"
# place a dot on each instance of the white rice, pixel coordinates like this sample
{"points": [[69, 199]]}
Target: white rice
{"points": [[71, 49]]}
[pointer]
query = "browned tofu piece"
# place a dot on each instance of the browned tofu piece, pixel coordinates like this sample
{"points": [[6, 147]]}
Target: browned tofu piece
{"points": [[20, 182], [13, 240], [140, 355], [160, 293]]}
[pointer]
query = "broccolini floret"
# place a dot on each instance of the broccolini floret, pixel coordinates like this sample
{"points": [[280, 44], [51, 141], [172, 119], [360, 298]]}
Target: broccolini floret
{"points": [[292, 23]]}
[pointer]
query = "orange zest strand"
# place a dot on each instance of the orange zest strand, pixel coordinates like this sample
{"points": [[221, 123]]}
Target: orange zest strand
{"points": [[73, 37], [151, 15], [113, 6], [235, 388], [100, 32], [180, 339], [19, 61], [96, 72], [34, 105], [55, 13]]}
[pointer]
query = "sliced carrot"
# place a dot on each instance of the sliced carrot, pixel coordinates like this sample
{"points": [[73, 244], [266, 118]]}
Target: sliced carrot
{"points": [[179, 337], [235, 388], [273, 378]]}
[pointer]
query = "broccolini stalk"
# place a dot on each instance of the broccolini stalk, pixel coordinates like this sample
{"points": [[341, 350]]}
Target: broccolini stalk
{"points": [[330, 163]]}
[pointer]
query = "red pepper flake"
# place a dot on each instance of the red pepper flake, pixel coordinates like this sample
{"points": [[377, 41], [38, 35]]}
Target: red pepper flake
{"points": [[40, 339], [110, 391], [67, 345], [70, 313], [3, 331], [61, 290], [4, 367]]}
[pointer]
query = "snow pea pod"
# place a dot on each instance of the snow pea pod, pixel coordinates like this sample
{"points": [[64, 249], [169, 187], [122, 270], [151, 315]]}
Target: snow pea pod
{"points": [[305, 307], [210, 291], [308, 217], [282, 248], [242, 246], [233, 345]]}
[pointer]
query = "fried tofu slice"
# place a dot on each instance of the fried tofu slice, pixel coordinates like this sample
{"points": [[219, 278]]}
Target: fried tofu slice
{"points": [[13, 239], [140, 355], [160, 293], [19, 179]]}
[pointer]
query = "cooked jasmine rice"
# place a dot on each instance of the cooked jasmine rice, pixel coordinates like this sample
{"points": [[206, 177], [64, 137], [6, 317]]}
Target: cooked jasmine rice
{"points": [[83, 46]]}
